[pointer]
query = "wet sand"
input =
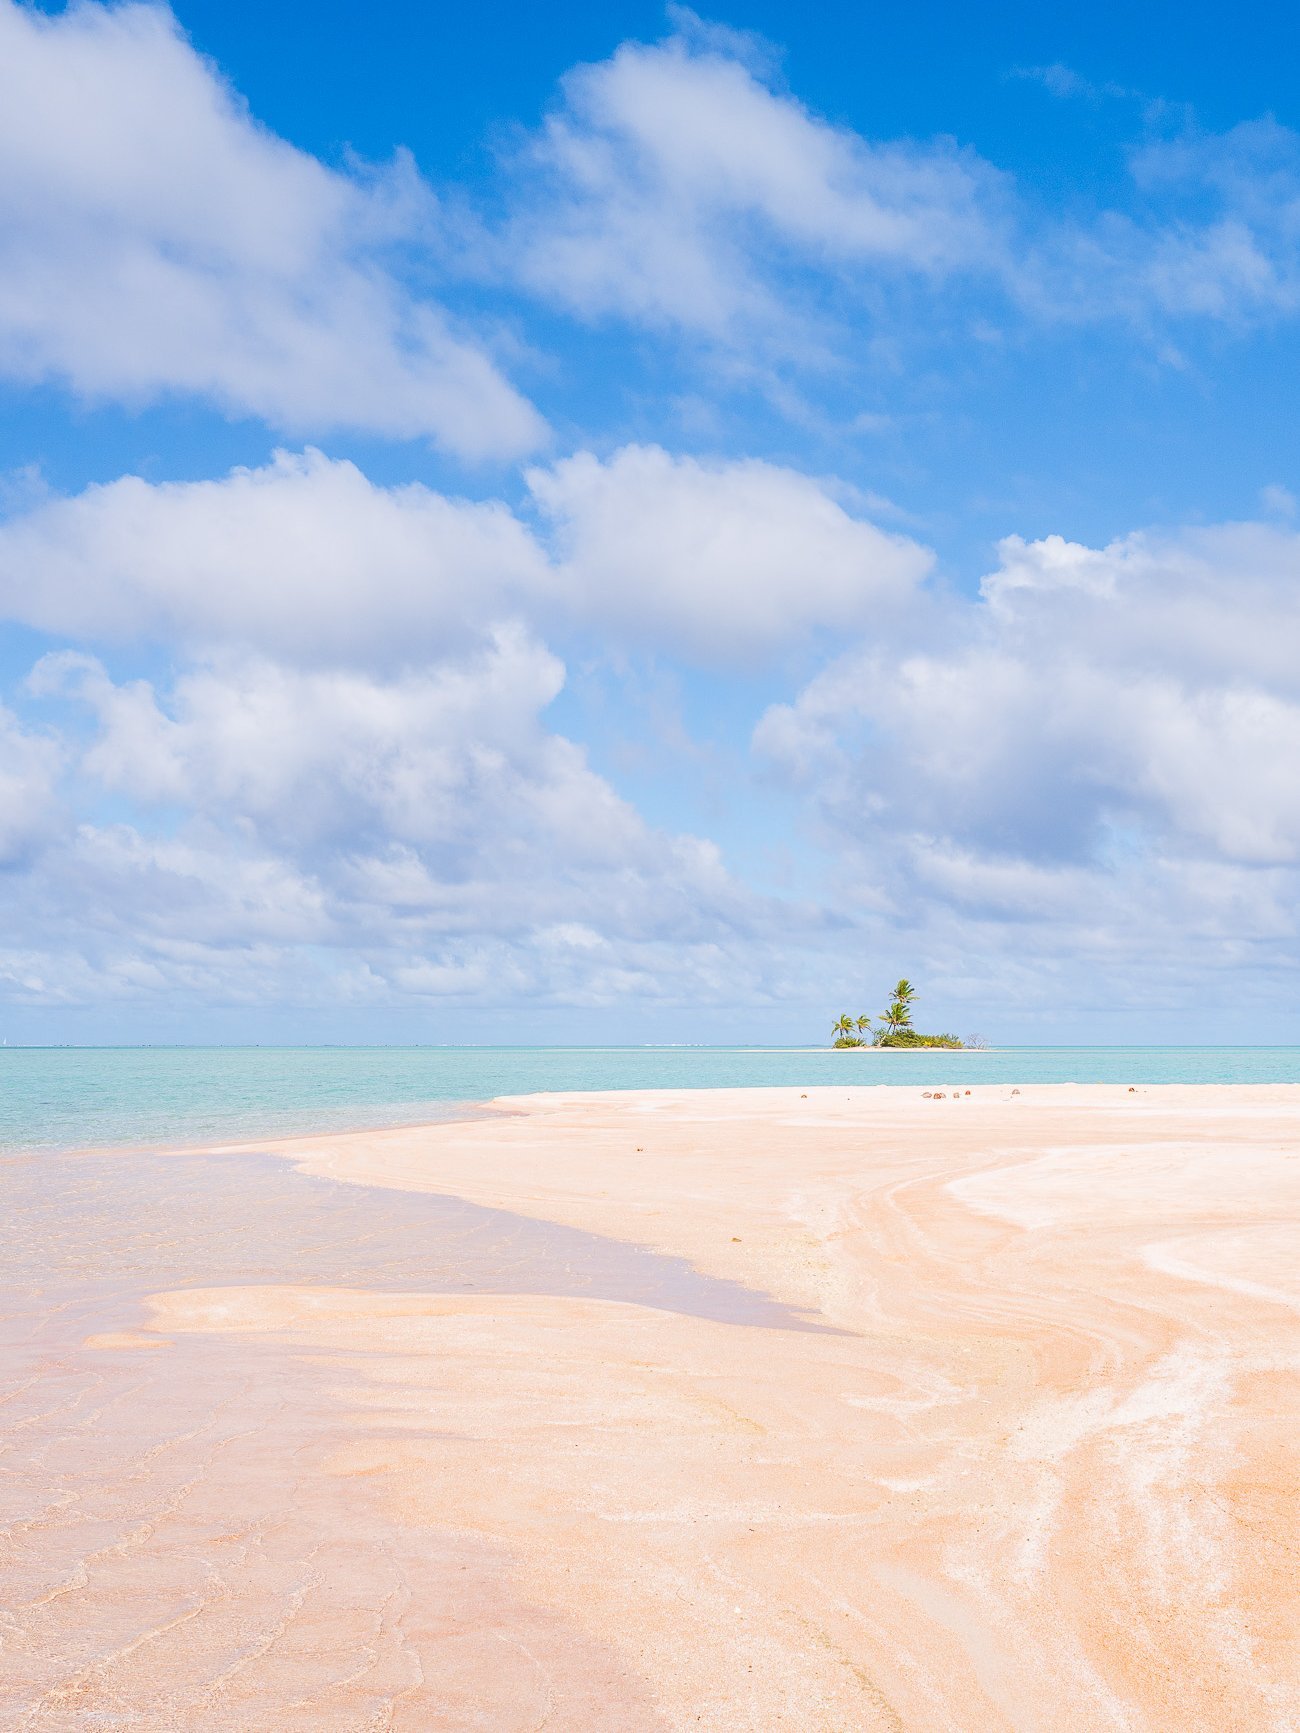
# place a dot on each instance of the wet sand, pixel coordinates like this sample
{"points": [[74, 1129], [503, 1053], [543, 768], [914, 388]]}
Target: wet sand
{"points": [[286, 1445]]}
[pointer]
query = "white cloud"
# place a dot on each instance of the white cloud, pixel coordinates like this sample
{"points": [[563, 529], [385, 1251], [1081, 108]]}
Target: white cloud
{"points": [[1096, 705], [670, 170], [722, 562], [305, 558], [676, 184], [308, 560], [30, 764], [1207, 230], [346, 788], [1077, 797], [154, 239], [327, 836], [327, 758], [1084, 773], [1190, 601], [1229, 243]]}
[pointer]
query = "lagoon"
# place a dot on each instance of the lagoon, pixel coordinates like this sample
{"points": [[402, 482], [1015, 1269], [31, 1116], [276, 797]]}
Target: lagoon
{"points": [[101, 1097]]}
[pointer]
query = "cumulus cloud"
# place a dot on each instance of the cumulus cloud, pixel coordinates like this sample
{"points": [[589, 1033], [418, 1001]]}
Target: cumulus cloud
{"points": [[307, 559], [323, 832], [1076, 793], [1085, 771], [154, 239], [328, 758], [304, 557], [722, 562], [1096, 705]]}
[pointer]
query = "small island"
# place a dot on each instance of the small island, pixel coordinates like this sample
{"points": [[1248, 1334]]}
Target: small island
{"points": [[893, 1026]]}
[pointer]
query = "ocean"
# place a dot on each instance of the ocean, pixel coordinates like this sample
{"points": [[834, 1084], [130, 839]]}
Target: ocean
{"points": [[84, 1097]]}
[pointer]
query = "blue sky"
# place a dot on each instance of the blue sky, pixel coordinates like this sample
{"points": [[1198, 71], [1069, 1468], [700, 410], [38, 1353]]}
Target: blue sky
{"points": [[647, 526]]}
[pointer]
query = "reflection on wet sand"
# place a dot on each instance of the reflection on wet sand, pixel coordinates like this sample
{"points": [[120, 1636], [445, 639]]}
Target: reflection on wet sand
{"points": [[111, 1226], [177, 1552]]}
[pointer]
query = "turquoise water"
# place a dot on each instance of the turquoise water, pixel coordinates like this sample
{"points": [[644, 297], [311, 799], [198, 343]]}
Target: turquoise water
{"points": [[79, 1097]]}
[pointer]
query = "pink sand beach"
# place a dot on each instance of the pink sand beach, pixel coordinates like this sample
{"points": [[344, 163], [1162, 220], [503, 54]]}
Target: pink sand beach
{"points": [[839, 1409]]}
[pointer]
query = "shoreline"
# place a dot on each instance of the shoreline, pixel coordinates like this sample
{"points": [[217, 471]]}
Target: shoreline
{"points": [[182, 1099], [616, 1162], [464, 1112]]}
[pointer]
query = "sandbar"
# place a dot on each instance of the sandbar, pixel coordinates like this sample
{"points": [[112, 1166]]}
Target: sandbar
{"points": [[1007, 1440]]}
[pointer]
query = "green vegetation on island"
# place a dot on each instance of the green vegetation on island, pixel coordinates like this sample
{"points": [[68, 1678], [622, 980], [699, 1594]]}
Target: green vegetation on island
{"points": [[894, 1026]]}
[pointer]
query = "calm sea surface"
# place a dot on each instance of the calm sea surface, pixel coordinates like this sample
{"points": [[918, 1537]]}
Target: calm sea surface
{"points": [[78, 1097]]}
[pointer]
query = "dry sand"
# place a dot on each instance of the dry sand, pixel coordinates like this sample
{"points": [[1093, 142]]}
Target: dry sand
{"points": [[1039, 1470]]}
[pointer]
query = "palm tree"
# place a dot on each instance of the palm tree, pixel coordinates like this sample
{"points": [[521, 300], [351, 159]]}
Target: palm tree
{"points": [[898, 1014], [862, 1024], [843, 1028]]}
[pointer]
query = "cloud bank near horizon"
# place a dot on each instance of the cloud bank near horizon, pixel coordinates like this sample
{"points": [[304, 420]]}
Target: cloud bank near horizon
{"points": [[1100, 729]]}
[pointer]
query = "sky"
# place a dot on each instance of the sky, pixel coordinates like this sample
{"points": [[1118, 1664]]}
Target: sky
{"points": [[627, 524]]}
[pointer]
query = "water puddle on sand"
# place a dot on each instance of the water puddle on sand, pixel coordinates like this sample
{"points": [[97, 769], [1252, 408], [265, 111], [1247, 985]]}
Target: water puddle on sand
{"points": [[110, 1226], [175, 1549]]}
